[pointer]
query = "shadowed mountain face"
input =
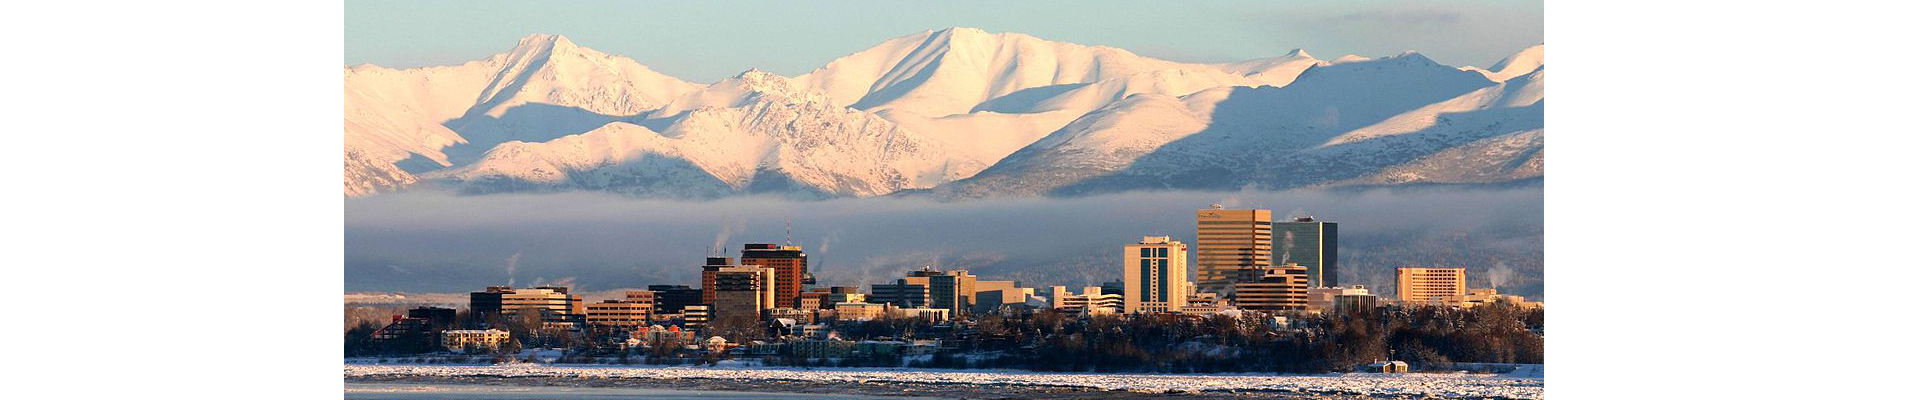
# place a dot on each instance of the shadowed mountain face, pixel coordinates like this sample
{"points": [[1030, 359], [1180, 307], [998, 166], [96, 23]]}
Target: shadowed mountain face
{"points": [[955, 113]]}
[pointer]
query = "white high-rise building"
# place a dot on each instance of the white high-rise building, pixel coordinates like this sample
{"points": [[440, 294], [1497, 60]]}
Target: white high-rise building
{"points": [[1156, 275]]}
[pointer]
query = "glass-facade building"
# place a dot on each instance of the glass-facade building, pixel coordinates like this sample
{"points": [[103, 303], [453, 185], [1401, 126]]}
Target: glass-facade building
{"points": [[1313, 244]]}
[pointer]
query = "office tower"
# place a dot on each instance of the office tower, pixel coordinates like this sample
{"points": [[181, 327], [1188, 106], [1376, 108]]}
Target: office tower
{"points": [[901, 293], [789, 269], [1277, 289], [486, 304], [671, 299], [552, 302], [741, 291], [950, 290], [1312, 243], [1155, 272], [1233, 245], [714, 264], [1421, 285]]}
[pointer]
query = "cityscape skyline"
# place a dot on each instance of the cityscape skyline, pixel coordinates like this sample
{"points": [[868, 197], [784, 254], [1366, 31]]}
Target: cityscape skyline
{"points": [[862, 241]]}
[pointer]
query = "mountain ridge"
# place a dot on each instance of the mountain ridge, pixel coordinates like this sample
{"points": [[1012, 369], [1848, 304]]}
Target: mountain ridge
{"points": [[941, 112]]}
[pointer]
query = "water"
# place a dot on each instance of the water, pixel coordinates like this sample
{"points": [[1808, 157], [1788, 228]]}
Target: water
{"points": [[435, 391]]}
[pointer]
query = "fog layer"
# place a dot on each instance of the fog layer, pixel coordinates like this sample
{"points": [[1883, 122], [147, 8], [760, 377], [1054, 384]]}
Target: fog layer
{"points": [[440, 242]]}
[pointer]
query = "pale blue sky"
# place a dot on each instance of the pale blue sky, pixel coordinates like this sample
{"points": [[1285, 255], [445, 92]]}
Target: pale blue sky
{"points": [[709, 40]]}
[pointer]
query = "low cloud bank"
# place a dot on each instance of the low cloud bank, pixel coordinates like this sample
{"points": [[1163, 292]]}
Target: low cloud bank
{"points": [[440, 242]]}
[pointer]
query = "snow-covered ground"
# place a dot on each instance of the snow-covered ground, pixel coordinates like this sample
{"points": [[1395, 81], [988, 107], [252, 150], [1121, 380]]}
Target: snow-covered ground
{"points": [[1418, 384]]}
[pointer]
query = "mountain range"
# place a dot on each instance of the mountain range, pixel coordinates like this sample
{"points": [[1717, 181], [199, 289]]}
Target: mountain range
{"points": [[951, 113]]}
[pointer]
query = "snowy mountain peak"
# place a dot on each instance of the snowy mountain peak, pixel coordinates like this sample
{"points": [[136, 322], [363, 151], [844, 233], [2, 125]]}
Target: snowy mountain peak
{"points": [[541, 45], [924, 110], [1412, 57], [1521, 63]]}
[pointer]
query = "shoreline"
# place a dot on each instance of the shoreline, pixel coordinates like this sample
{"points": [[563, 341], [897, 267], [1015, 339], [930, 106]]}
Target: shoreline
{"points": [[872, 388], [959, 385]]}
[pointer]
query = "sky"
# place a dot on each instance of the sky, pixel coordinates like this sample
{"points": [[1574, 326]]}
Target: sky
{"points": [[709, 40]]}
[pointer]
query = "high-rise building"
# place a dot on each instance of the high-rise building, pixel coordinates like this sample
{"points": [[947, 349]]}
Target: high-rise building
{"points": [[486, 304], [1277, 289], [713, 265], [742, 291], [901, 293], [789, 269], [552, 302], [1233, 246], [671, 299], [1423, 285], [1155, 273], [950, 290], [1312, 243]]}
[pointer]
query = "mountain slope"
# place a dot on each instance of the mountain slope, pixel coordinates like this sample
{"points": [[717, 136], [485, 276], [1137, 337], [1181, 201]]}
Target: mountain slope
{"points": [[958, 112], [422, 119], [1518, 64], [755, 133], [1337, 121]]}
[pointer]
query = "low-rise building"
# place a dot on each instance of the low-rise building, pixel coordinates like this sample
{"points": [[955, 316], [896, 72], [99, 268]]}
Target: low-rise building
{"points": [[1323, 298], [696, 316], [801, 315], [481, 340], [1483, 296], [859, 311], [991, 295], [1279, 288], [1091, 301], [658, 334], [620, 313], [924, 314], [824, 348]]}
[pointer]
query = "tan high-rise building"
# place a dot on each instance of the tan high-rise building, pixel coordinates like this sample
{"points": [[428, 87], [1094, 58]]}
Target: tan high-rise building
{"points": [[1420, 285], [1234, 245], [742, 291], [1155, 273], [551, 301]]}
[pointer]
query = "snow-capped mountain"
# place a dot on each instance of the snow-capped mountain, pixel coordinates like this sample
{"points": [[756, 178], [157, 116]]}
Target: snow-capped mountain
{"points": [[753, 133], [1350, 121], [957, 112], [402, 122]]}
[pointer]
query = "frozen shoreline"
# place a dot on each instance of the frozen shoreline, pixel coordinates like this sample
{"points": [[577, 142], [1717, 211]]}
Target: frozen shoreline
{"points": [[1416, 384]]}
